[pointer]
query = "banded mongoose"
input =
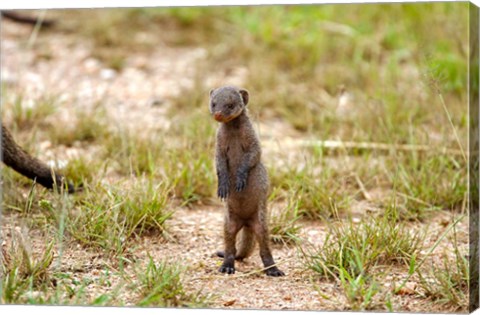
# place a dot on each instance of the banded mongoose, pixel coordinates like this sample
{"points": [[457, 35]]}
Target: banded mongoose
{"points": [[15, 157], [242, 180]]}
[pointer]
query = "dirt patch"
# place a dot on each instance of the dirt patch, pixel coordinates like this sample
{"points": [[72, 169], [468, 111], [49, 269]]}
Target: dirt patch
{"points": [[195, 236]]}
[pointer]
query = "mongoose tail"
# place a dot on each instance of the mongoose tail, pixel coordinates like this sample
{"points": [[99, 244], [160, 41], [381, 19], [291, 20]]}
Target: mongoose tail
{"points": [[19, 160]]}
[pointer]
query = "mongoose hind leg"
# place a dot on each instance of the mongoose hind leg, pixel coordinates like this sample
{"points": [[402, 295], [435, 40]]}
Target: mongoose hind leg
{"points": [[231, 228], [261, 232]]}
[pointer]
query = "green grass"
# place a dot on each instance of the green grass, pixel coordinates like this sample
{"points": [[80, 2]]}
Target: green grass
{"points": [[109, 218], [284, 226], [448, 281], [359, 290], [131, 154], [428, 183], [359, 256], [193, 175], [190, 158], [185, 161], [85, 126], [357, 249], [28, 113], [80, 170], [20, 271], [162, 285], [29, 278], [321, 191], [300, 47]]}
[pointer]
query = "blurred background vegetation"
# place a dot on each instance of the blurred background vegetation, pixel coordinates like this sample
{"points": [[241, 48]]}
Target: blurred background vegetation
{"points": [[389, 56]]}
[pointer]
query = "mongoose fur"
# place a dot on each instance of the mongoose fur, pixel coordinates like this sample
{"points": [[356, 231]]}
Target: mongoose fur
{"points": [[15, 157], [242, 180]]}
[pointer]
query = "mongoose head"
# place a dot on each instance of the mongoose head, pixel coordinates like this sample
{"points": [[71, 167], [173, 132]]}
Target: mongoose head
{"points": [[227, 103]]}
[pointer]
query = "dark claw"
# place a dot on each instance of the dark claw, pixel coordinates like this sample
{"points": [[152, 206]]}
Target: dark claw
{"points": [[274, 272], [223, 191], [227, 269], [241, 184]]}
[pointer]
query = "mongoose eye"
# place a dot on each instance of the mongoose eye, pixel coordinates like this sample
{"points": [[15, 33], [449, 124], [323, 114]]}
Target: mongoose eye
{"points": [[230, 106], [213, 105]]}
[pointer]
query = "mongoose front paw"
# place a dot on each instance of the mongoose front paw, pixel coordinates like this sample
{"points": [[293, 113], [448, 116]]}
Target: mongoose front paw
{"points": [[227, 269], [222, 191], [241, 184], [274, 272]]}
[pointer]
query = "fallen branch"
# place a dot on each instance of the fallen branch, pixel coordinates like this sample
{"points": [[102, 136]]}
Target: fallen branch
{"points": [[287, 143]]}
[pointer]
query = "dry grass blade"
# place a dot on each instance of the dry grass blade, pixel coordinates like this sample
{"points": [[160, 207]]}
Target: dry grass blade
{"points": [[415, 266], [362, 188], [33, 36], [442, 100]]}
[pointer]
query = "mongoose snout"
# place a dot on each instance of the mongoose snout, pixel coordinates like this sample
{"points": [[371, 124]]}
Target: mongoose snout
{"points": [[218, 116]]}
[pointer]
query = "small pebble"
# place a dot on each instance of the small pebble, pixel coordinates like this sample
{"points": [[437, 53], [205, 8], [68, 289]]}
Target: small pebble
{"points": [[108, 74]]}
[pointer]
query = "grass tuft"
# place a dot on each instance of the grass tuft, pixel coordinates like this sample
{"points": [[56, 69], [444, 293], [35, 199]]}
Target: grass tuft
{"points": [[447, 282], [283, 224], [21, 272], [357, 249], [109, 218], [162, 285]]}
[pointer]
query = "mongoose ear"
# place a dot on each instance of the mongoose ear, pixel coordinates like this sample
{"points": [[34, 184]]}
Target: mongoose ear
{"points": [[244, 94], [211, 91]]}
